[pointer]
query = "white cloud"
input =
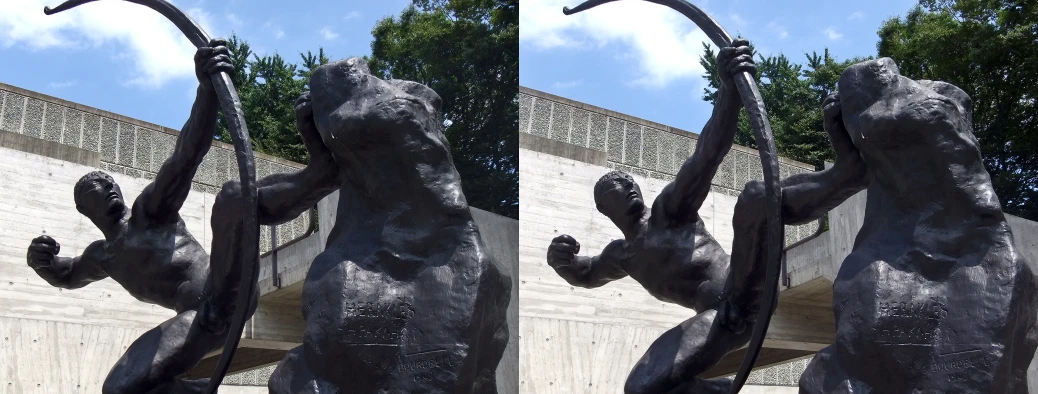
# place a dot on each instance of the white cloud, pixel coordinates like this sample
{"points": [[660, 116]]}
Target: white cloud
{"points": [[832, 34], [328, 34], [274, 29], [665, 46], [567, 84], [63, 84], [351, 15], [157, 50], [856, 15], [779, 30]]}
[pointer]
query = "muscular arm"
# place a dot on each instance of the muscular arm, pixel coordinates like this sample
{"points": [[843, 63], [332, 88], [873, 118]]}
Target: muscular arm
{"points": [[72, 273], [806, 197], [283, 197], [684, 197], [587, 272], [164, 197]]}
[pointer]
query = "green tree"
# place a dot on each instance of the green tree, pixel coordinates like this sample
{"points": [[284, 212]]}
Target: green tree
{"points": [[793, 95], [268, 87], [987, 48], [468, 52]]}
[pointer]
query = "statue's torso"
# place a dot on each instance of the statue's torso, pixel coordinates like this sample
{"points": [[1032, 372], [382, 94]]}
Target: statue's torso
{"points": [[159, 264], [679, 264], [422, 328]]}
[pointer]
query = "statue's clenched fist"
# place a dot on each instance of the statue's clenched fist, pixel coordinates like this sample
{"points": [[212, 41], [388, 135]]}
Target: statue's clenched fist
{"points": [[562, 251], [42, 252]]}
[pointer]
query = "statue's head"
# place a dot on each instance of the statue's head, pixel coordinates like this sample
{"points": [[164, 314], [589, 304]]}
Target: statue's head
{"points": [[99, 198], [888, 114], [387, 134], [348, 98], [618, 197], [874, 96]]}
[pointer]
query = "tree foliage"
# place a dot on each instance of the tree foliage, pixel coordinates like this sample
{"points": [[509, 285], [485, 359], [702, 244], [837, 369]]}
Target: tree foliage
{"points": [[989, 48], [268, 87], [793, 95], [468, 52]]}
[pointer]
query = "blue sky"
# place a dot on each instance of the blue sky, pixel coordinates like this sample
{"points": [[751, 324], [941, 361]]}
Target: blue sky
{"points": [[641, 58], [127, 59]]}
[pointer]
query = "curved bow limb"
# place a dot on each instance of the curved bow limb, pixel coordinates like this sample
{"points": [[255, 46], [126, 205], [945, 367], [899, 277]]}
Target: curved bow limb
{"points": [[230, 104], [754, 104]]}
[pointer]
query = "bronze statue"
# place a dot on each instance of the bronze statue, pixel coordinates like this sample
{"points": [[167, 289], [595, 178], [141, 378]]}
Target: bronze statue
{"points": [[668, 250], [406, 298], [934, 296]]}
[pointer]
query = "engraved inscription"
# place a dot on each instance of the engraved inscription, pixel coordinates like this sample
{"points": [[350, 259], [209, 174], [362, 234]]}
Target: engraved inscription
{"points": [[376, 323], [901, 335], [386, 310], [960, 361], [912, 323], [375, 333], [958, 377], [932, 310], [426, 360]]}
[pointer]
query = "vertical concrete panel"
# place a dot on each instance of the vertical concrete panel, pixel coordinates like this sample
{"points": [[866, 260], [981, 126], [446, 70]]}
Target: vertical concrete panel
{"points": [[579, 130], [33, 124], [109, 140], [14, 106], [560, 121], [142, 148], [127, 144], [525, 108], [53, 121], [632, 144], [72, 131], [616, 140], [598, 132], [91, 133], [541, 121]]}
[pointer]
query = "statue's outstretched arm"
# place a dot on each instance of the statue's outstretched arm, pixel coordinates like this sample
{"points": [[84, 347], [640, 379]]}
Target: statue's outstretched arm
{"points": [[806, 197], [65, 272], [284, 196], [582, 271]]}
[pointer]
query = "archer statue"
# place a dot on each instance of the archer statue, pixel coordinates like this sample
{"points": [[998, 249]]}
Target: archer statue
{"points": [[148, 250], [667, 249]]}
